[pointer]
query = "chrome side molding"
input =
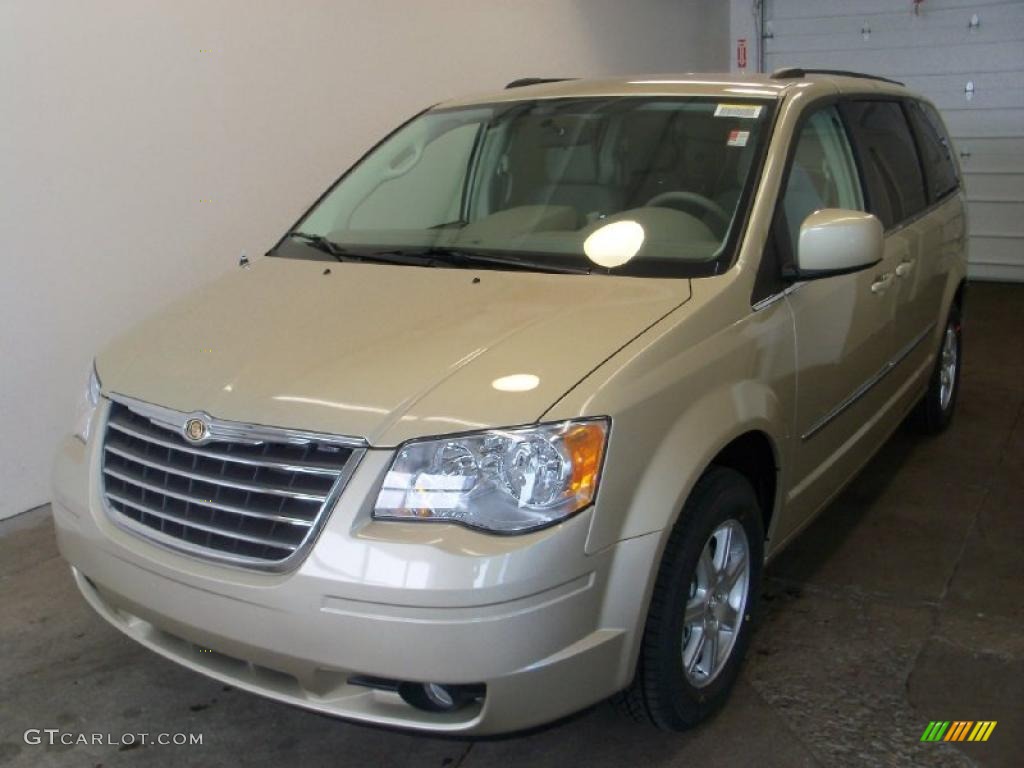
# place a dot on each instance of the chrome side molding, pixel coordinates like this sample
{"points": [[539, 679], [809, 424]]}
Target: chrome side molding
{"points": [[866, 387]]}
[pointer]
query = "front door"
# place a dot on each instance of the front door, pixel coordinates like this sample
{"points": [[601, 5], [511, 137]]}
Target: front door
{"points": [[843, 328]]}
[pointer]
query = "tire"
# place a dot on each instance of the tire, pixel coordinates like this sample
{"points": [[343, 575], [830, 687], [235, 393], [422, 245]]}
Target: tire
{"points": [[935, 410], [663, 692]]}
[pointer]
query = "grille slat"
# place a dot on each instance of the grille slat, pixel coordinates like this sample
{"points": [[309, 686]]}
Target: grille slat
{"points": [[243, 512], [252, 496], [214, 480], [183, 521], [154, 439]]}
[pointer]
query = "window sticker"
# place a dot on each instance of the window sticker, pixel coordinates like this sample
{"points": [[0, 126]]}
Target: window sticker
{"points": [[744, 111], [738, 138]]}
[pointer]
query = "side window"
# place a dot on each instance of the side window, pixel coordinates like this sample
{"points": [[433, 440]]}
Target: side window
{"points": [[940, 168], [889, 159], [822, 174]]}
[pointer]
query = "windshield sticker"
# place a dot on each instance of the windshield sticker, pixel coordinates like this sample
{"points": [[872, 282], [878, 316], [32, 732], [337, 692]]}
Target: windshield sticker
{"points": [[738, 138], [745, 111]]}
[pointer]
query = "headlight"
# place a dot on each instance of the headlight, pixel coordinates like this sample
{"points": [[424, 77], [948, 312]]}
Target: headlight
{"points": [[502, 480], [87, 406]]}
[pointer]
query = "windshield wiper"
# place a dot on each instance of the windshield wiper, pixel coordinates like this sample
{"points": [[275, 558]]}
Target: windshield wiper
{"points": [[322, 243], [432, 256], [454, 224], [463, 258]]}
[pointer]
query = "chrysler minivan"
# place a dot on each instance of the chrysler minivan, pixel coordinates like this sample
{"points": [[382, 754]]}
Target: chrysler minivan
{"points": [[509, 422]]}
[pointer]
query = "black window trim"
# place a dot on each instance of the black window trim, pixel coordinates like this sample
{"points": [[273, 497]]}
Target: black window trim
{"points": [[930, 205], [900, 99], [919, 141]]}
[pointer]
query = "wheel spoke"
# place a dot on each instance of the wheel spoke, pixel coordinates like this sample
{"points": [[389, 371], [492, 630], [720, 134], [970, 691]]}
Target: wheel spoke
{"points": [[737, 571], [705, 569], [722, 550], [694, 610], [711, 645], [691, 658], [730, 618]]}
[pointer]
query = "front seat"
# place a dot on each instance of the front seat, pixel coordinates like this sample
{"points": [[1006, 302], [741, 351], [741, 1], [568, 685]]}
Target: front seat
{"points": [[573, 178]]}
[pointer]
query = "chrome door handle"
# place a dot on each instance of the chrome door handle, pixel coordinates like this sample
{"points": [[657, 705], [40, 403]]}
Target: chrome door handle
{"points": [[904, 268], [882, 283]]}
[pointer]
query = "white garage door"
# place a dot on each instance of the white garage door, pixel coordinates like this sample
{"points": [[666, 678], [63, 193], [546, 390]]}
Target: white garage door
{"points": [[965, 55]]}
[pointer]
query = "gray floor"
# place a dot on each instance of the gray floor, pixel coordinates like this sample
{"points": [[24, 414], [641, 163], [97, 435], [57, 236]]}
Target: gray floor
{"points": [[902, 604]]}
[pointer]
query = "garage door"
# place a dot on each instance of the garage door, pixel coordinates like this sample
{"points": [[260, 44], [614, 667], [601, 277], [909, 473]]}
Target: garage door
{"points": [[965, 55]]}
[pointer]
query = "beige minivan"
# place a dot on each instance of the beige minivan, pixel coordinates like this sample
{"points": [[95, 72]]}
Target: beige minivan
{"points": [[511, 419]]}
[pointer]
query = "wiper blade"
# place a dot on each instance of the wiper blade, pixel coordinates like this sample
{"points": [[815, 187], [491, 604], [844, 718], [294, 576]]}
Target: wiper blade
{"points": [[432, 256], [321, 243], [341, 253], [454, 224], [466, 258]]}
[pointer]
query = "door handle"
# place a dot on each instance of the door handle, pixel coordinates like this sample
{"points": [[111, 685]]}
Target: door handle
{"points": [[882, 283], [904, 268]]}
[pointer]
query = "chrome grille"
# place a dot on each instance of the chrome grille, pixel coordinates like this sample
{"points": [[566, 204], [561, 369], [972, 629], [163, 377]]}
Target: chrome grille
{"points": [[245, 494]]}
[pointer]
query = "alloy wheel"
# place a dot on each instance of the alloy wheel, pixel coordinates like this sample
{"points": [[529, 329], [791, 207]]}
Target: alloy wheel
{"points": [[716, 603], [947, 366]]}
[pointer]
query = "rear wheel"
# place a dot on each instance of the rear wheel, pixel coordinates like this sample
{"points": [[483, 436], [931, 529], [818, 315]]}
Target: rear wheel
{"points": [[935, 410], [698, 626]]}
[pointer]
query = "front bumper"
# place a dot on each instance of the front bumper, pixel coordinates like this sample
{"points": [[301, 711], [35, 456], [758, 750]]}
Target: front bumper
{"points": [[546, 628]]}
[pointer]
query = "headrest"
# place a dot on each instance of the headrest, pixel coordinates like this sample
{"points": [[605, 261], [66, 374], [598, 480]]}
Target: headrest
{"points": [[572, 165]]}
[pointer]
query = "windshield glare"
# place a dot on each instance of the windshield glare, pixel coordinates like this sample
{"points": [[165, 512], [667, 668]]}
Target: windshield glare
{"points": [[627, 185]]}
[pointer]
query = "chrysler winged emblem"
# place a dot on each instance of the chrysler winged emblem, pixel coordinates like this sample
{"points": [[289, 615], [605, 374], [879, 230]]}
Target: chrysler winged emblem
{"points": [[195, 430]]}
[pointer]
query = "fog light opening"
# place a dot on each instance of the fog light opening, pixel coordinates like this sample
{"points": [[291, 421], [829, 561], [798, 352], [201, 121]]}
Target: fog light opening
{"points": [[436, 697]]}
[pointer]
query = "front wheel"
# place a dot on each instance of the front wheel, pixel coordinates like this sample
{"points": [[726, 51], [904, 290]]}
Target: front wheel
{"points": [[698, 626], [935, 410]]}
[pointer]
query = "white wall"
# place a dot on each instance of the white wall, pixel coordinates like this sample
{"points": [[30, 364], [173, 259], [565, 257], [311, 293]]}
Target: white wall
{"points": [[145, 143], [937, 52], [744, 17]]}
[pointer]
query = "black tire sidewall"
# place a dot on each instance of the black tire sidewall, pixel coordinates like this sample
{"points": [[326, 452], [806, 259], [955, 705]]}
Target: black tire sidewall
{"points": [[722, 494]]}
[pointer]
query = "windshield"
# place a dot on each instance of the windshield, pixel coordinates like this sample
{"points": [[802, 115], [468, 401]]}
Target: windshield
{"points": [[618, 185]]}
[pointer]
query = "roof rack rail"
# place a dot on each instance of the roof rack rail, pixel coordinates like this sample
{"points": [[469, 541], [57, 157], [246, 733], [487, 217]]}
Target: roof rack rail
{"points": [[525, 81], [786, 73]]}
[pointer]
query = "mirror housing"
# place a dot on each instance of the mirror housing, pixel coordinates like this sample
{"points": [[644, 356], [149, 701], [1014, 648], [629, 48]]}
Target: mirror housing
{"points": [[835, 241]]}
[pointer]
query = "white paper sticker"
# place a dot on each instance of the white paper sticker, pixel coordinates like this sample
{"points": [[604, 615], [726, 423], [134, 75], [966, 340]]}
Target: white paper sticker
{"points": [[745, 111], [738, 138]]}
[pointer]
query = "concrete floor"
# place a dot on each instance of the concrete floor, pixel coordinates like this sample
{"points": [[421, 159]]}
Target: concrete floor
{"points": [[902, 604]]}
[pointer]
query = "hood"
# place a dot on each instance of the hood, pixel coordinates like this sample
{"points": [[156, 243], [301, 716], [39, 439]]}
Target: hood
{"points": [[381, 352]]}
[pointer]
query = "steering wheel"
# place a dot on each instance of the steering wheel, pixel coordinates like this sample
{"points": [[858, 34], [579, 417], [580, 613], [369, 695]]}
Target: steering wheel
{"points": [[680, 198]]}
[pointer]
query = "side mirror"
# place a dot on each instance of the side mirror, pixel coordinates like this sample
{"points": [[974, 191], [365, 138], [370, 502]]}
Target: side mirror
{"points": [[834, 241]]}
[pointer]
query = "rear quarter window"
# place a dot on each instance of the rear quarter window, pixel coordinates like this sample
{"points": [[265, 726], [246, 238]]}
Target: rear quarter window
{"points": [[940, 170], [888, 158]]}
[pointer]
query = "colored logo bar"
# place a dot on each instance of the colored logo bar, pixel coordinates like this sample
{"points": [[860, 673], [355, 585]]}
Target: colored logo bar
{"points": [[959, 730]]}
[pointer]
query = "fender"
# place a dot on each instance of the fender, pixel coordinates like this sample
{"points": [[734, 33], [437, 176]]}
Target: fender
{"points": [[660, 490], [676, 400]]}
